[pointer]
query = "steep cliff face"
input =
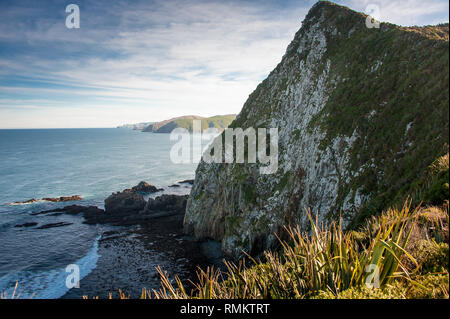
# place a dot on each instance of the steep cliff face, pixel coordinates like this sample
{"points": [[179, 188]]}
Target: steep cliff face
{"points": [[360, 113]]}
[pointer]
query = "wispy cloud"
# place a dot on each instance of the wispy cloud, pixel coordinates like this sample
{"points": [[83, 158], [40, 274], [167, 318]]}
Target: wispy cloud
{"points": [[406, 12], [144, 61]]}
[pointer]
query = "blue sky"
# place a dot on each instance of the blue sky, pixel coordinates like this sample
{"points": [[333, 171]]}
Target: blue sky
{"points": [[133, 61]]}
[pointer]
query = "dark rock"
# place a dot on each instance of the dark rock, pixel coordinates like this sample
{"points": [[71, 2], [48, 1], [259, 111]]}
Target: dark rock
{"points": [[110, 232], [167, 203], [62, 198], [70, 198], [52, 199], [124, 208], [29, 201], [91, 214], [174, 185], [126, 202], [73, 210], [144, 187], [27, 224], [187, 181], [52, 225], [161, 206]]}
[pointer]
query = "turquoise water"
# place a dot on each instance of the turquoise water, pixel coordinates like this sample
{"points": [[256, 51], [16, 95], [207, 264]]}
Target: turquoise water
{"points": [[92, 163]]}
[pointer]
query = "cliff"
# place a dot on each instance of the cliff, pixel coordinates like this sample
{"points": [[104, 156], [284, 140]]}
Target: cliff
{"points": [[361, 113]]}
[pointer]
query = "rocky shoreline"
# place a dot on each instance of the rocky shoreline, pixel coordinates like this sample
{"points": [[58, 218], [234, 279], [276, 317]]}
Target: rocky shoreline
{"points": [[137, 235], [125, 208], [129, 257], [48, 199]]}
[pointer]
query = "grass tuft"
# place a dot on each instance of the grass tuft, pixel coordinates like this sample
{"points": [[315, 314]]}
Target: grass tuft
{"points": [[330, 263]]}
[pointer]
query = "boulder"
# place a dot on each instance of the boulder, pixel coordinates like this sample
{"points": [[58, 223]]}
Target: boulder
{"points": [[166, 203], [27, 224], [144, 187], [62, 198], [126, 202], [123, 208]]}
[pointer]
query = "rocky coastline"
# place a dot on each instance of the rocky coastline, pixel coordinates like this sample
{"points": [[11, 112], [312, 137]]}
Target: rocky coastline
{"points": [[124, 208], [48, 199], [137, 235]]}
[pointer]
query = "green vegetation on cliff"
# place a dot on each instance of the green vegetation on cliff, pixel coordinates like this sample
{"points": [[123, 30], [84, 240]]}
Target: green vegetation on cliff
{"points": [[361, 114], [400, 254], [394, 97]]}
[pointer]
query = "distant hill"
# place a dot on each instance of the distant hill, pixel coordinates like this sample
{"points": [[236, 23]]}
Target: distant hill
{"points": [[137, 126], [219, 121]]}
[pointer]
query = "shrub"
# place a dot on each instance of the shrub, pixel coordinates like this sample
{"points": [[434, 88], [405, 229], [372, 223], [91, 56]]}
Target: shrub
{"points": [[395, 291], [326, 261], [430, 286], [438, 190], [432, 256]]}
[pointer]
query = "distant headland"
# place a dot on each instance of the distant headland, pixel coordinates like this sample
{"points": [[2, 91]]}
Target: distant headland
{"points": [[218, 121]]}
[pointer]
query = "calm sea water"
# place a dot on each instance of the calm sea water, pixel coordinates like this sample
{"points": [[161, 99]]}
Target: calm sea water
{"points": [[92, 163]]}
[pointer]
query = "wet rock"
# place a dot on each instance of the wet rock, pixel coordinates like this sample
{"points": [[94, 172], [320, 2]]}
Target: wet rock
{"points": [[26, 225], [110, 232], [73, 210], [52, 225], [62, 198], [29, 201], [124, 203], [167, 203], [187, 181], [49, 199], [124, 208], [144, 187]]}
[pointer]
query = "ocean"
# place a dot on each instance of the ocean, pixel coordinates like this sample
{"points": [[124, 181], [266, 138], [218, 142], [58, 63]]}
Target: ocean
{"points": [[92, 163]]}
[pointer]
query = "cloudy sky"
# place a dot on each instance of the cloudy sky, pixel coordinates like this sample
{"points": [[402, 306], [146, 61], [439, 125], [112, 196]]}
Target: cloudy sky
{"points": [[133, 61]]}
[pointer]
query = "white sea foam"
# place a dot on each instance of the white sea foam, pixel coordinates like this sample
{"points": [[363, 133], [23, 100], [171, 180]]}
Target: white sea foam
{"points": [[47, 284]]}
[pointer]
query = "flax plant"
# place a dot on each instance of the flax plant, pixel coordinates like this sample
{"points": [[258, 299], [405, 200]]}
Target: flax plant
{"points": [[325, 259]]}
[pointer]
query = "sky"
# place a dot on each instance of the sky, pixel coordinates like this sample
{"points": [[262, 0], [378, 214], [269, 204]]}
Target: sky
{"points": [[143, 61]]}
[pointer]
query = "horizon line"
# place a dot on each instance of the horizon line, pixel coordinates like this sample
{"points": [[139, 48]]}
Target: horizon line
{"points": [[55, 128]]}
